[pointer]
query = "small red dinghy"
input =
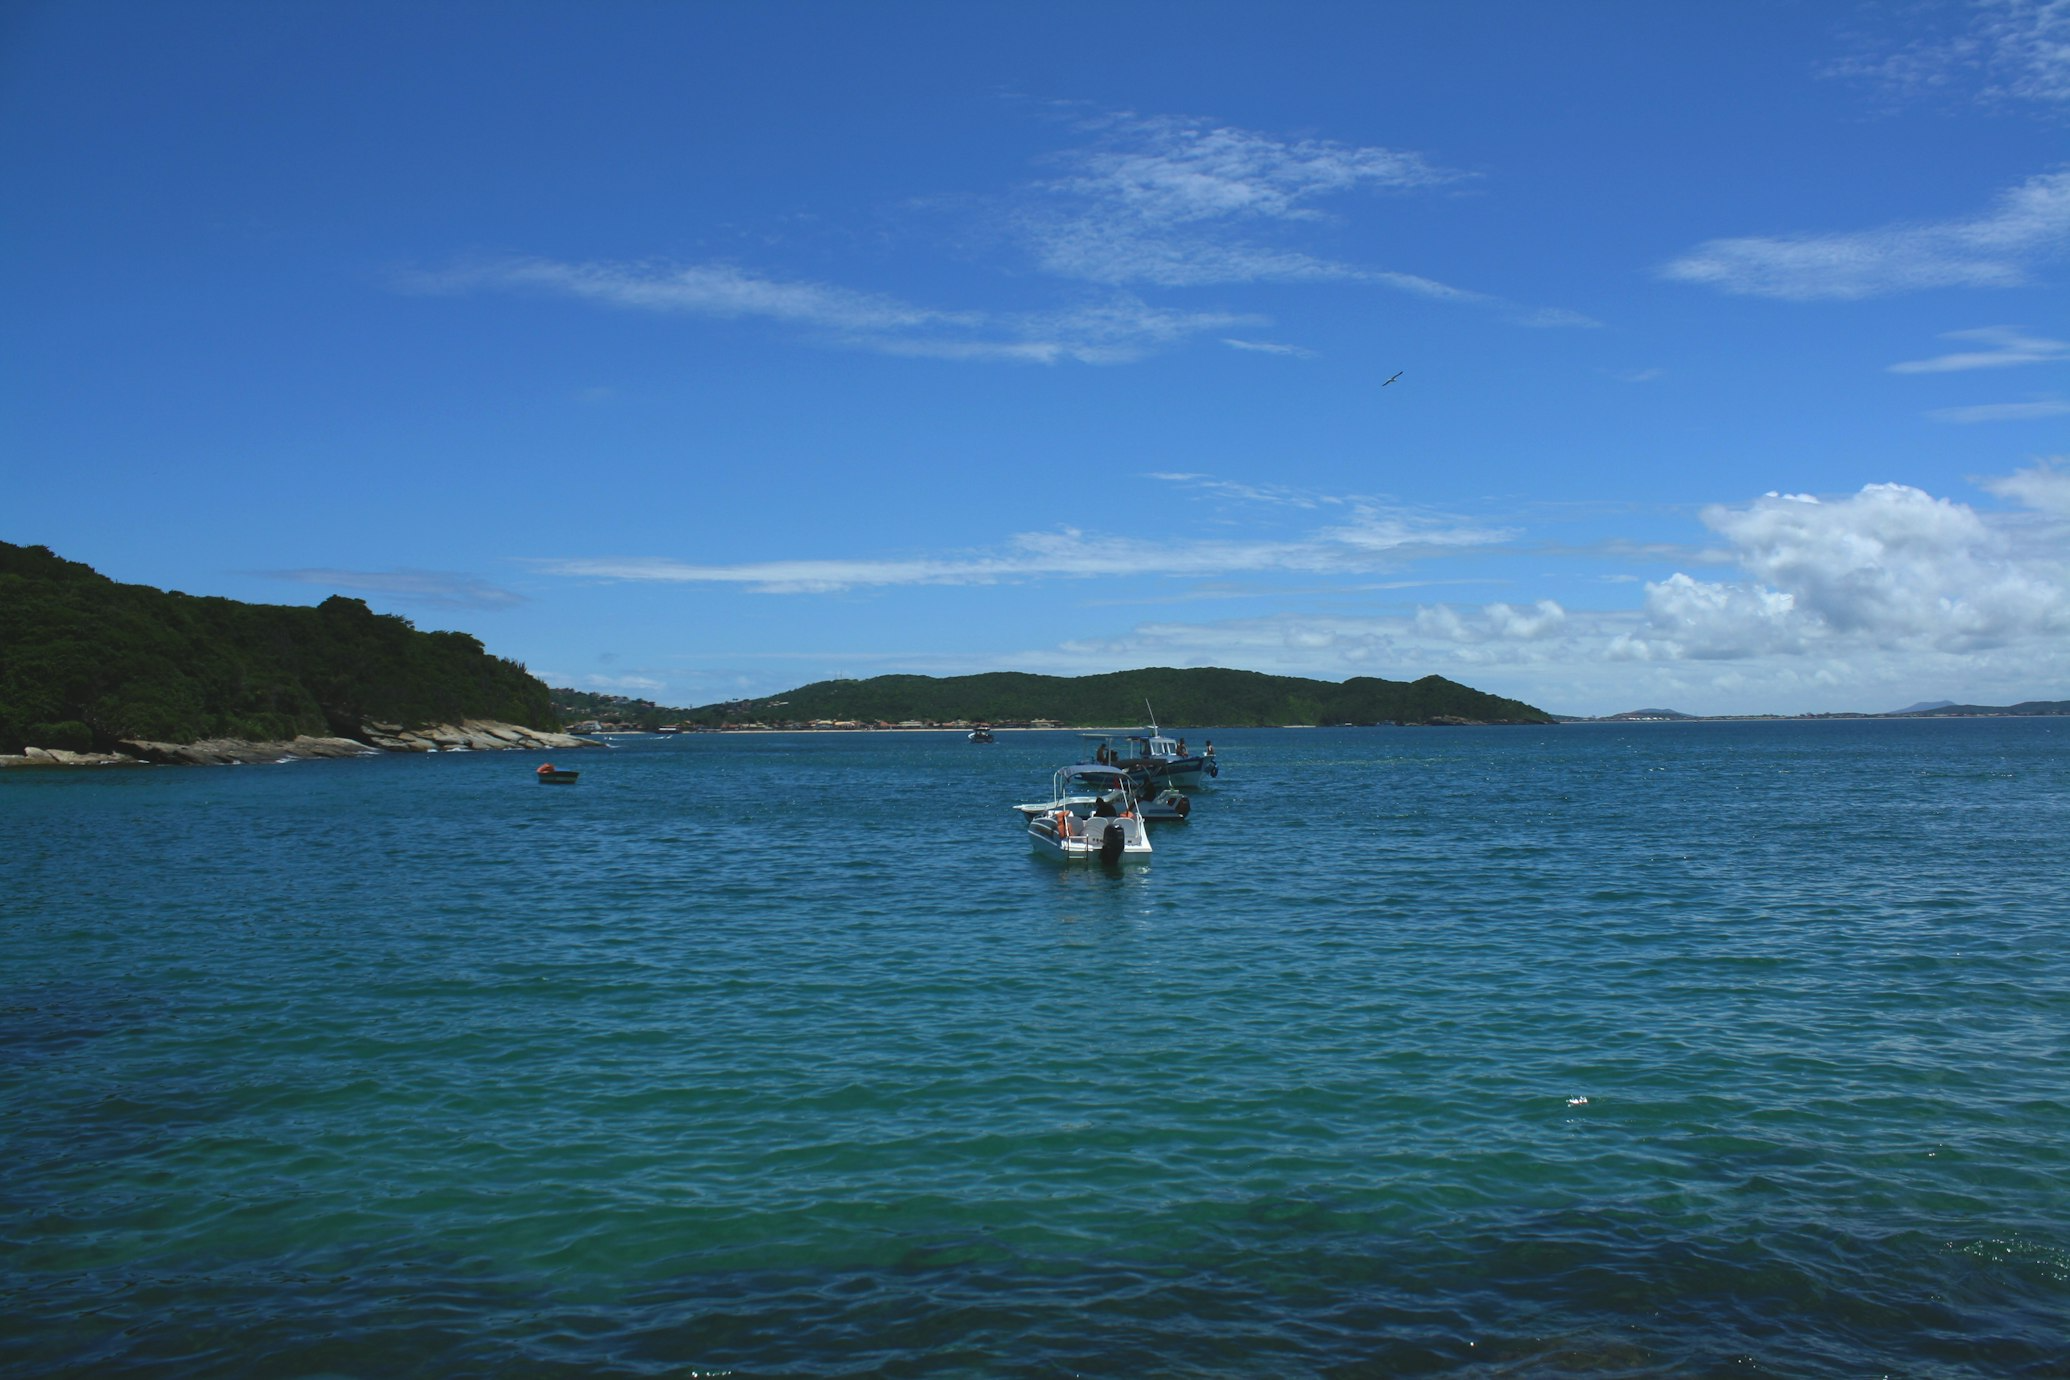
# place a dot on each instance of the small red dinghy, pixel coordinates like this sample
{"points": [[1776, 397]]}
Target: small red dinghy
{"points": [[552, 774]]}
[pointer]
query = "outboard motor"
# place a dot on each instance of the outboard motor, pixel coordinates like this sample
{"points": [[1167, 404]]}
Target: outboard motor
{"points": [[1112, 842]]}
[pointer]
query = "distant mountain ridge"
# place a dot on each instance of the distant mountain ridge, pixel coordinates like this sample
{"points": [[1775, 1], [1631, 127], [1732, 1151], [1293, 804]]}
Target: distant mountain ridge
{"points": [[1205, 695], [1927, 710], [2024, 709]]}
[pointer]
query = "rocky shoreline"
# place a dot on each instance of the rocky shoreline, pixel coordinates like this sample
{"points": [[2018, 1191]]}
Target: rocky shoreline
{"points": [[470, 735]]}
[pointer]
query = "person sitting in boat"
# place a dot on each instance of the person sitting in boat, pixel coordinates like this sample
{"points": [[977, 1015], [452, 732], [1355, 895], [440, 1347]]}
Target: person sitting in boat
{"points": [[1210, 751], [1104, 806]]}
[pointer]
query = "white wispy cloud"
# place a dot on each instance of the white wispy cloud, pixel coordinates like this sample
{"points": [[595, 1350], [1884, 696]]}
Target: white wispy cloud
{"points": [[1146, 203], [1117, 328], [722, 290], [2043, 487], [1242, 491], [1365, 536], [1994, 52], [1171, 170], [1558, 318], [2002, 412], [1181, 202], [439, 587], [1268, 347], [1996, 248], [1174, 202], [630, 684], [2005, 347]]}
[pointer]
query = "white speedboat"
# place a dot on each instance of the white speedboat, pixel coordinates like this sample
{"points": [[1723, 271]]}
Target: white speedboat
{"points": [[1169, 804], [1091, 816]]}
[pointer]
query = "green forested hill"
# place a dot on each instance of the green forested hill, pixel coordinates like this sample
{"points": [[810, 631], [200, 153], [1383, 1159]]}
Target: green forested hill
{"points": [[1200, 695], [86, 662]]}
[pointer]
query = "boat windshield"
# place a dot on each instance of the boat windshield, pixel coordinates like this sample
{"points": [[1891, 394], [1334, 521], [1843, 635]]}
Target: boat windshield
{"points": [[1094, 781]]}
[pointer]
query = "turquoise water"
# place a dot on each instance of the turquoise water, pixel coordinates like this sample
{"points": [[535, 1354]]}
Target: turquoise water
{"points": [[787, 1056]]}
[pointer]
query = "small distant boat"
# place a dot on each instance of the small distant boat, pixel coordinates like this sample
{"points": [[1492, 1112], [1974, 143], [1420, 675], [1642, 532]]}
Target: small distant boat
{"points": [[557, 776], [981, 734], [1092, 814]]}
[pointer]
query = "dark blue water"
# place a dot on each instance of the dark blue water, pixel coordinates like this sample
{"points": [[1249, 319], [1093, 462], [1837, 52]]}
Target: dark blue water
{"points": [[787, 1056]]}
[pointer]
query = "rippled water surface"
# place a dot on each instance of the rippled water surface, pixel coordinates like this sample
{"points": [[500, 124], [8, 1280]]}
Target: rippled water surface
{"points": [[1656, 1050]]}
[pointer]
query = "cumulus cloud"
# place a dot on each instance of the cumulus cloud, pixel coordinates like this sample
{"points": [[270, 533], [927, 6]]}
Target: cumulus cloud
{"points": [[1492, 623], [1995, 248], [1542, 619], [1888, 567]]}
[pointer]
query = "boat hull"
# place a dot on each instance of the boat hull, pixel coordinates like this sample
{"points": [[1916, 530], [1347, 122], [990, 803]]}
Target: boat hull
{"points": [[1097, 839]]}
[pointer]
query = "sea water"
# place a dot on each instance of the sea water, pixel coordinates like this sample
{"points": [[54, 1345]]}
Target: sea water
{"points": [[1663, 1049]]}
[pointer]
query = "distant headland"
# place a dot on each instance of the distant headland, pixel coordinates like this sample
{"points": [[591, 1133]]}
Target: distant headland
{"points": [[1937, 709], [1203, 695], [95, 672]]}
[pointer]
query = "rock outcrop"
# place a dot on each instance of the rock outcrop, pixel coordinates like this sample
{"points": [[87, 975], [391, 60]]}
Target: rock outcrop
{"points": [[471, 735], [59, 757], [215, 752]]}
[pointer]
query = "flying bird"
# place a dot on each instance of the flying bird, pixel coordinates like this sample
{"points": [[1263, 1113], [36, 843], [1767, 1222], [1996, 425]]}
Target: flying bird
{"points": [[1397, 374]]}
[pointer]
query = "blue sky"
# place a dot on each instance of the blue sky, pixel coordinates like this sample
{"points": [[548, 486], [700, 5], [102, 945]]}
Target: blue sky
{"points": [[701, 350]]}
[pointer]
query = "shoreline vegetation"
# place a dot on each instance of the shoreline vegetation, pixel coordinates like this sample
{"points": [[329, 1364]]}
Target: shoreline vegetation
{"points": [[96, 673]]}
